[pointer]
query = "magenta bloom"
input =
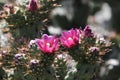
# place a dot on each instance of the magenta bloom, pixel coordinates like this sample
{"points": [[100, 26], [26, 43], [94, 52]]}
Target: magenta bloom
{"points": [[70, 38], [33, 5], [48, 44], [88, 32]]}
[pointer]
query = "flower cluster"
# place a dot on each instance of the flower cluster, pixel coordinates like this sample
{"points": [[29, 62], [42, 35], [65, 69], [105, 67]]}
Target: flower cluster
{"points": [[51, 51], [49, 57], [81, 44], [68, 39], [12, 9]]}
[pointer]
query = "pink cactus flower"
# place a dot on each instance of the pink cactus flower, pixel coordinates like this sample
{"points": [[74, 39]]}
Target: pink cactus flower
{"points": [[88, 32], [70, 38], [48, 44], [33, 5]]}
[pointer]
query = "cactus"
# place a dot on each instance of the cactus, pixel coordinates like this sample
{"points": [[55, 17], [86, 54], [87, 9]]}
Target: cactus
{"points": [[60, 68]]}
